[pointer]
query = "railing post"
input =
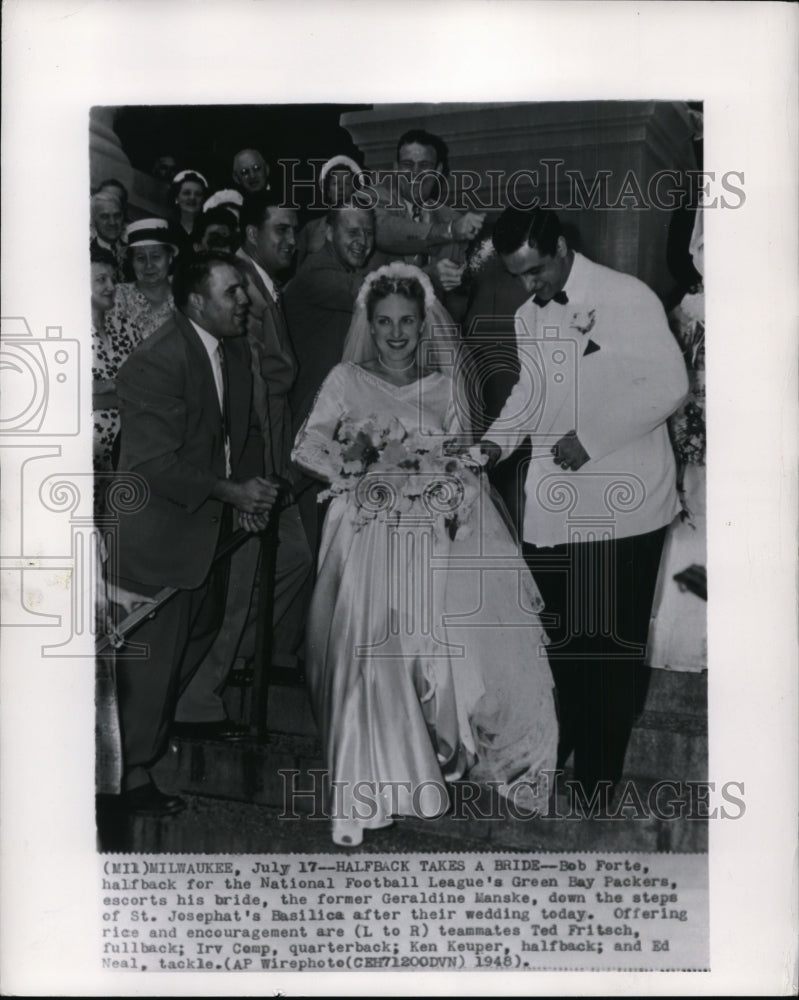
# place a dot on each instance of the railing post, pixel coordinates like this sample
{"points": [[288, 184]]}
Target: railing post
{"points": [[264, 630]]}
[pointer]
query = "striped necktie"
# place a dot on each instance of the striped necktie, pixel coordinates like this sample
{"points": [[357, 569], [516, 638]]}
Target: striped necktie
{"points": [[223, 404]]}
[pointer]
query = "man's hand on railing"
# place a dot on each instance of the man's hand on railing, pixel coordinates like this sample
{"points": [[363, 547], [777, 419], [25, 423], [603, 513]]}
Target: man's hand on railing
{"points": [[253, 496], [254, 523], [126, 599]]}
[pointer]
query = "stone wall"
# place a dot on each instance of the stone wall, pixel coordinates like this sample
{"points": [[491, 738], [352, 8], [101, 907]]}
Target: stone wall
{"points": [[587, 136]]}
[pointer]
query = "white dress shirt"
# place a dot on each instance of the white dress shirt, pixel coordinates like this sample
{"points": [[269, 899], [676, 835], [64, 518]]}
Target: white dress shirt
{"points": [[214, 347], [267, 280]]}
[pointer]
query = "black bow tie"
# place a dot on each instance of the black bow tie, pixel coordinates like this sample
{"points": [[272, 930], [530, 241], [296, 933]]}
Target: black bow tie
{"points": [[560, 297]]}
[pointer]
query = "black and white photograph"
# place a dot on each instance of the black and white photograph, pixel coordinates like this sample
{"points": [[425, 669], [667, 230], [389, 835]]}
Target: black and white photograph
{"points": [[380, 530], [424, 548]]}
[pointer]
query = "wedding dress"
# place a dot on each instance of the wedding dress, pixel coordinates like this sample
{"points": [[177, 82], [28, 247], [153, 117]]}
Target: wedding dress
{"points": [[425, 656]]}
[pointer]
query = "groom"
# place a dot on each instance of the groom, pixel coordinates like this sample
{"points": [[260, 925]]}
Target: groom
{"points": [[600, 375]]}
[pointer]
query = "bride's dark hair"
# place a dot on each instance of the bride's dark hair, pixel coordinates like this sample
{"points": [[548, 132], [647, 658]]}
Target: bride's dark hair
{"points": [[382, 287]]}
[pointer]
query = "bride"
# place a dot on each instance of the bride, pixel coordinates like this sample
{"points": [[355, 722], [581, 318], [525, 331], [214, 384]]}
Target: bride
{"points": [[425, 654]]}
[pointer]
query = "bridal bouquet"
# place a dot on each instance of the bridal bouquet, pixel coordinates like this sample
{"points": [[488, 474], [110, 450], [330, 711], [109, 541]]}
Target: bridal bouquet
{"points": [[387, 470]]}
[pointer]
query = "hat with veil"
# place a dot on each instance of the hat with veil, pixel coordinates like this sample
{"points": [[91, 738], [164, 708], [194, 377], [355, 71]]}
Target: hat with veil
{"points": [[440, 340]]}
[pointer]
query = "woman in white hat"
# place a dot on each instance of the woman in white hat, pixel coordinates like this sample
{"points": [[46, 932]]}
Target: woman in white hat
{"points": [[188, 192], [142, 305]]}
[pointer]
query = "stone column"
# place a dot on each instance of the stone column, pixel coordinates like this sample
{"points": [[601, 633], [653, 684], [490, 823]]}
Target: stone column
{"points": [[107, 158]]}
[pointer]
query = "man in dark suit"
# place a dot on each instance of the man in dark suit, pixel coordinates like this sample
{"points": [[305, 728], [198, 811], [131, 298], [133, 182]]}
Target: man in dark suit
{"points": [[320, 299], [319, 302], [268, 233], [188, 428]]}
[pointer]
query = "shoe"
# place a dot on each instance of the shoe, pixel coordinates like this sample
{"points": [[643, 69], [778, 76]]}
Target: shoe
{"points": [[147, 800], [288, 676], [347, 833], [224, 729]]}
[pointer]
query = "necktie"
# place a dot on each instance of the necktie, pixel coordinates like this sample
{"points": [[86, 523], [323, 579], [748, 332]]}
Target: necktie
{"points": [[419, 259], [560, 297], [223, 404]]}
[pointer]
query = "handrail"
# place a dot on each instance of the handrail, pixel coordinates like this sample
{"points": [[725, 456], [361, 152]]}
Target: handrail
{"points": [[116, 638]]}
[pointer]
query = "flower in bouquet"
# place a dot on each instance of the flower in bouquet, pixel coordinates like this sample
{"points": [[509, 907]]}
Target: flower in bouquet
{"points": [[356, 447], [480, 257], [387, 470]]}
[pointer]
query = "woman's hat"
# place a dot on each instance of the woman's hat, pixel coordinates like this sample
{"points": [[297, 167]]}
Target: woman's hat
{"points": [[189, 175], [149, 233], [227, 198], [337, 162]]}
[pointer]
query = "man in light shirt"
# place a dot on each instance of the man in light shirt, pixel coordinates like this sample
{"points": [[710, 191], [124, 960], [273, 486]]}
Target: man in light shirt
{"points": [[600, 375], [412, 225]]}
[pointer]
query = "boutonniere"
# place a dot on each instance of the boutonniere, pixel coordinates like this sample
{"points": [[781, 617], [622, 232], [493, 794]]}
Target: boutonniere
{"points": [[583, 322]]}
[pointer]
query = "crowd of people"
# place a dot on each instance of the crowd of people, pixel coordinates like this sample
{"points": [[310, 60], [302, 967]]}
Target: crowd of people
{"points": [[253, 373]]}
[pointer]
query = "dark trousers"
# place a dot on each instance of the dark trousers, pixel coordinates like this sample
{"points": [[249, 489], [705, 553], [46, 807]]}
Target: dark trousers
{"points": [[598, 600], [148, 687]]}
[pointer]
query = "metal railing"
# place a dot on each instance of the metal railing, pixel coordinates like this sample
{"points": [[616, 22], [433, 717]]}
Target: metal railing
{"points": [[116, 637]]}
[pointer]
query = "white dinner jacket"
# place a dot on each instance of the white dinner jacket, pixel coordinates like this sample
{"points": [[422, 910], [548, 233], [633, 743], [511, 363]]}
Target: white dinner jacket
{"points": [[606, 365]]}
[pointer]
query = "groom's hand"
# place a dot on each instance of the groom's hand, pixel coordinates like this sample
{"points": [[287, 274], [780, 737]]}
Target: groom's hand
{"points": [[569, 452], [492, 452]]}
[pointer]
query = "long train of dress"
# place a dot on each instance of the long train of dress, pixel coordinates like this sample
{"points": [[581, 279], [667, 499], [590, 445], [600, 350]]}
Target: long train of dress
{"points": [[425, 654]]}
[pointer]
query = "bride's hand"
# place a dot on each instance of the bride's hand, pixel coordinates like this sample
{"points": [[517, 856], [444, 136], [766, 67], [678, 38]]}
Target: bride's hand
{"points": [[471, 459], [486, 454]]}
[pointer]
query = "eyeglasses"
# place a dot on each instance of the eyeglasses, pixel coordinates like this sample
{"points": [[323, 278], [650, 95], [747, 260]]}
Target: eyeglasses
{"points": [[248, 171]]}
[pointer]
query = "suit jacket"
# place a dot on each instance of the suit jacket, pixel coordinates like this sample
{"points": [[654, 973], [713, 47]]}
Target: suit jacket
{"points": [[172, 436], [274, 367], [400, 237], [319, 302], [606, 365]]}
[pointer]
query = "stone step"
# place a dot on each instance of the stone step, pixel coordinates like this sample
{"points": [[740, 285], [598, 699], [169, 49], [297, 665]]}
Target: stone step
{"points": [[666, 743], [243, 774], [289, 707], [663, 746], [669, 739], [668, 746], [262, 773], [237, 791], [223, 825], [677, 691]]}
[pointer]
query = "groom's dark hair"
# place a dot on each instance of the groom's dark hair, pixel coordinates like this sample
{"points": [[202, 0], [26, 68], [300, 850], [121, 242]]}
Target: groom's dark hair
{"points": [[533, 227]]}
